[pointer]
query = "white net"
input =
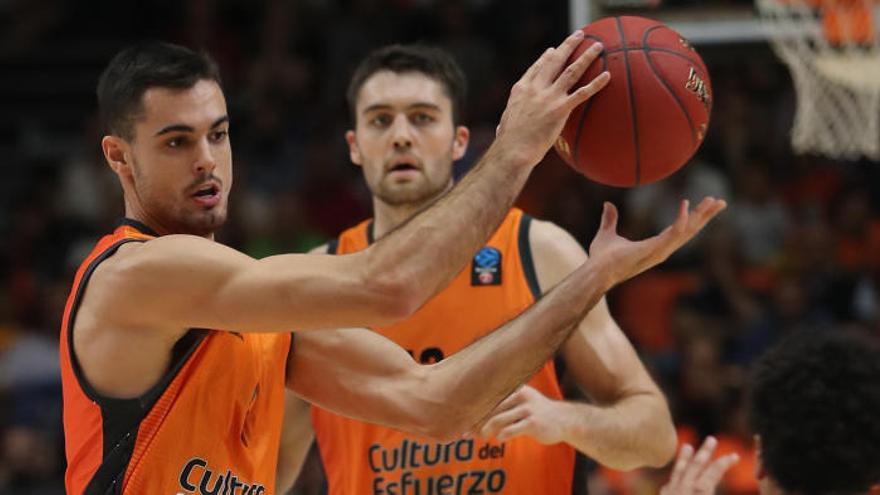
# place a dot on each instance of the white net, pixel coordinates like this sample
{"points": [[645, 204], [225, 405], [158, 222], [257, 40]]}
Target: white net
{"points": [[831, 49]]}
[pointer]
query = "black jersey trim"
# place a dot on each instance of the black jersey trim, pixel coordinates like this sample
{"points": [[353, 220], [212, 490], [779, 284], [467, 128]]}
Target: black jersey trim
{"points": [[332, 246], [131, 222], [71, 319], [525, 256]]}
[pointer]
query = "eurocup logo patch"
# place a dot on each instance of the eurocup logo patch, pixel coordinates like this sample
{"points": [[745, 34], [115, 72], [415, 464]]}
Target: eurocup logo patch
{"points": [[486, 268]]}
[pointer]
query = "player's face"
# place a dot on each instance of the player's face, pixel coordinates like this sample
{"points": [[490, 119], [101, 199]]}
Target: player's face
{"points": [[404, 137], [181, 160]]}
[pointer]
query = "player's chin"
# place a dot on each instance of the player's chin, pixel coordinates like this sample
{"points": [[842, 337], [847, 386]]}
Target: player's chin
{"points": [[401, 195], [206, 222]]}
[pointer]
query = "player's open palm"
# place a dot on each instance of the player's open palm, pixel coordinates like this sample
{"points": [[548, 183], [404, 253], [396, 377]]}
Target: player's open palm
{"points": [[624, 259], [542, 99]]}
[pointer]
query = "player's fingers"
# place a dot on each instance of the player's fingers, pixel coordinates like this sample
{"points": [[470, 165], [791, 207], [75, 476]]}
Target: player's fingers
{"points": [[707, 210], [552, 65], [609, 217], [587, 91], [536, 66], [502, 420], [513, 430], [679, 226], [684, 457], [712, 474], [572, 74], [699, 462], [510, 401]]}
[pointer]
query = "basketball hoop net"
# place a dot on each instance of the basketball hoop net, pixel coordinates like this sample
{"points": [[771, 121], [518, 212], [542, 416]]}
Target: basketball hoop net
{"points": [[831, 48]]}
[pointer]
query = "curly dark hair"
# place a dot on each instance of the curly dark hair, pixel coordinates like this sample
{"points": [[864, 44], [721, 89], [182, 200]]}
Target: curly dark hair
{"points": [[816, 405]]}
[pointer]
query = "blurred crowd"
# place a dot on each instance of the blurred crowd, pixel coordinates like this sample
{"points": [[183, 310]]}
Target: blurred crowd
{"points": [[799, 246]]}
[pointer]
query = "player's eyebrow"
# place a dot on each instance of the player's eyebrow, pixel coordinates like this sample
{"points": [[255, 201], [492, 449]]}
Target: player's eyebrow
{"points": [[385, 106], [187, 128], [421, 104]]}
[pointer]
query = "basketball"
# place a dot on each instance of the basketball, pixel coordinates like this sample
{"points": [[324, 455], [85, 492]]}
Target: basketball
{"points": [[651, 117]]}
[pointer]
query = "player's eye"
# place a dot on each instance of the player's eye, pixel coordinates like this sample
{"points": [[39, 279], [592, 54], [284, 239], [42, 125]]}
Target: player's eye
{"points": [[176, 142], [422, 118], [219, 136], [381, 120]]}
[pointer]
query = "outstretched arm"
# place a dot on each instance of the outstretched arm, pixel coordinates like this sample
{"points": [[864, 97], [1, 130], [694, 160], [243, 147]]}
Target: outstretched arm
{"points": [[178, 282], [362, 375]]}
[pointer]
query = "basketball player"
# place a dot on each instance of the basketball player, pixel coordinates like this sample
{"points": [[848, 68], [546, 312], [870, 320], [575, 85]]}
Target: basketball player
{"points": [[175, 349], [406, 108], [814, 409]]}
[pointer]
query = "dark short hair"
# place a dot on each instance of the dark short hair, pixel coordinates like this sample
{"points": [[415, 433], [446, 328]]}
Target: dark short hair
{"points": [[431, 61], [816, 403], [141, 67]]}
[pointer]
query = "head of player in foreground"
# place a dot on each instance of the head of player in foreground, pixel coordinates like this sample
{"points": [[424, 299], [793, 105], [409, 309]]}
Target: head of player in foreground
{"points": [[168, 137]]}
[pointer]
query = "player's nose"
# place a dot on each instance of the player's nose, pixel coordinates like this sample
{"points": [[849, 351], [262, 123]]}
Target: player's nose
{"points": [[204, 161], [401, 130]]}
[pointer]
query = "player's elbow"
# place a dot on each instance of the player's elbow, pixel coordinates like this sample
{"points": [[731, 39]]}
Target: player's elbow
{"points": [[660, 446], [442, 428], [432, 413], [665, 446]]}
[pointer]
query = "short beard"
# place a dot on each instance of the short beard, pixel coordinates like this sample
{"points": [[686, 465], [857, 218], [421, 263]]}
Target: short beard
{"points": [[417, 197], [203, 226]]}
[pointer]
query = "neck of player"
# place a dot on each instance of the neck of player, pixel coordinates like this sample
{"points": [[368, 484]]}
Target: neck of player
{"points": [[387, 217]]}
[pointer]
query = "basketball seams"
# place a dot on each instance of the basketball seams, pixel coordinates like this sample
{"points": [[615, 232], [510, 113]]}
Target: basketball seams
{"points": [[655, 49], [587, 107], [668, 86], [666, 148], [632, 103]]}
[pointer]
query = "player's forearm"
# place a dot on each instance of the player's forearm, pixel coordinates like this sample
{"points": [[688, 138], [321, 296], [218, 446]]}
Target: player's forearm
{"points": [[424, 254], [634, 432], [474, 380]]}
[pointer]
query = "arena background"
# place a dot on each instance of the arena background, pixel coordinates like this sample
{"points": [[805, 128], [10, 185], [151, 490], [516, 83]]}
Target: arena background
{"points": [[798, 247]]}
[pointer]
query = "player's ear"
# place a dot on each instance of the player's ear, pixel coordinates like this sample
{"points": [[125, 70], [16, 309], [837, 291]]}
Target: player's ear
{"points": [[117, 153], [460, 142], [354, 152]]}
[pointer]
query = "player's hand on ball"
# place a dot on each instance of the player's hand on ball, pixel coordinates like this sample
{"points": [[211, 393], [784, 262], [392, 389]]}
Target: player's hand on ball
{"points": [[695, 475], [526, 412], [624, 259], [541, 100]]}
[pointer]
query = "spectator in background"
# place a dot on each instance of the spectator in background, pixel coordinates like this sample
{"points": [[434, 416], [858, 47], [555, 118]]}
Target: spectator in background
{"points": [[759, 218]]}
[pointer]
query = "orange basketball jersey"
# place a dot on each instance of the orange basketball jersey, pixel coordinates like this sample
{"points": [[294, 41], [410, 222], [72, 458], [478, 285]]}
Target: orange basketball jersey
{"points": [[210, 426], [361, 458]]}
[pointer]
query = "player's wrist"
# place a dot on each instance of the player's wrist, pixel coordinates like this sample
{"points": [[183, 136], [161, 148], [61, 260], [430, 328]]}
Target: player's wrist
{"points": [[512, 155], [573, 419], [605, 272]]}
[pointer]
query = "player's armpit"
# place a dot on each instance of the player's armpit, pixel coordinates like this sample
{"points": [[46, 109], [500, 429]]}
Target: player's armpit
{"points": [[181, 281]]}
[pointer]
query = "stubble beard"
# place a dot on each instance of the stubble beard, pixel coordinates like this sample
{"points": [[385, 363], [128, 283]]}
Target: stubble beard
{"points": [[181, 218]]}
